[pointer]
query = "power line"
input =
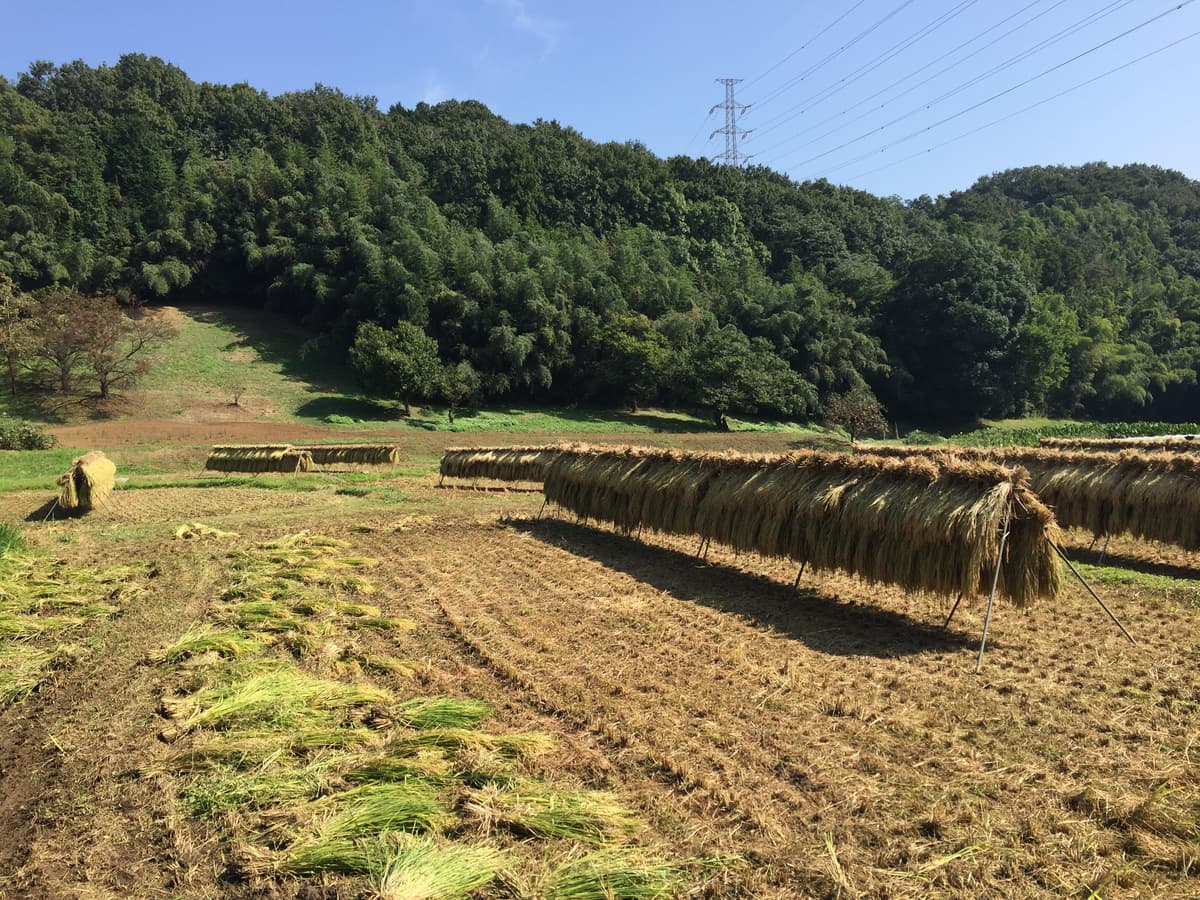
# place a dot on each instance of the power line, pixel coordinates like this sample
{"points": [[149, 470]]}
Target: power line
{"points": [[699, 128], [805, 45], [1056, 38], [891, 53], [1006, 91], [916, 72], [834, 55], [1026, 109]]}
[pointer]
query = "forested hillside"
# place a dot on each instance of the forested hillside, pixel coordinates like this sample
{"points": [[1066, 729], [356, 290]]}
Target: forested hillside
{"points": [[544, 265]]}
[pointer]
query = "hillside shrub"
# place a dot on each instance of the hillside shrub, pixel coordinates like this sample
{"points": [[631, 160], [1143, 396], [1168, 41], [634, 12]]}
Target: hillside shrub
{"points": [[18, 435]]}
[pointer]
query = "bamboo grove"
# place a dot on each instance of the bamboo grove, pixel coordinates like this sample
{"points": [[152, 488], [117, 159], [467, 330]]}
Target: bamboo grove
{"points": [[543, 265]]}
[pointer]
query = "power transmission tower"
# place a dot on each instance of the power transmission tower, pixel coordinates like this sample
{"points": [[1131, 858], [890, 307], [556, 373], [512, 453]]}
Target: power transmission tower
{"points": [[733, 109]]}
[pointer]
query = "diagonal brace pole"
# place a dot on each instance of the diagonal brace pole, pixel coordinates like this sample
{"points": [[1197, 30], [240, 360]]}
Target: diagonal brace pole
{"points": [[953, 610], [796, 586], [1095, 596], [987, 618]]}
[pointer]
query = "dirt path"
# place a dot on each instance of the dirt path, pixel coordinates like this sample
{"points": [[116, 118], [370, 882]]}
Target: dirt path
{"points": [[78, 815]]}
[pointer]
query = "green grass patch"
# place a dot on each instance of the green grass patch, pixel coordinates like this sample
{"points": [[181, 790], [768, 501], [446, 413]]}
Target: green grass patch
{"points": [[207, 639], [22, 670], [1170, 588], [442, 712]]}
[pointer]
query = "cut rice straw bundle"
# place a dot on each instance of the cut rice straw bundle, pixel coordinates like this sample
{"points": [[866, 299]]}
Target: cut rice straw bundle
{"points": [[498, 463], [1152, 496], [88, 482], [925, 524], [353, 454], [419, 869], [259, 458], [1175, 443], [607, 874]]}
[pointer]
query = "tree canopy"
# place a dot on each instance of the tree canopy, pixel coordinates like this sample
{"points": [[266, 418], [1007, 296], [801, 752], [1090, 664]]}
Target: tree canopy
{"points": [[560, 269]]}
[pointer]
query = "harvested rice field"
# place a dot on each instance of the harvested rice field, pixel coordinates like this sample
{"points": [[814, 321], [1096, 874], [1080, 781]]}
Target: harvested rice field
{"points": [[366, 685]]}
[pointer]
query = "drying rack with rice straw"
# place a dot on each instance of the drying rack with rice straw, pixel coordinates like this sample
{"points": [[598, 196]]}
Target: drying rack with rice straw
{"points": [[935, 524], [508, 464], [257, 459], [1172, 443], [1151, 495]]}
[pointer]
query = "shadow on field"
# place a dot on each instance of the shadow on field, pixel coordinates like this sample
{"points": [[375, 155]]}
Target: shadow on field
{"points": [[819, 622], [50, 510]]}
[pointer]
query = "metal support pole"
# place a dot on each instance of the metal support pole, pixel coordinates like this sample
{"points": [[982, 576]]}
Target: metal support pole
{"points": [[987, 618], [1095, 596], [542, 509], [953, 610], [1107, 538], [707, 544]]}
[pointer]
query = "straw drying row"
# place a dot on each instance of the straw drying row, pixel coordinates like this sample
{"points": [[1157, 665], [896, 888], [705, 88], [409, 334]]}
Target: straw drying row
{"points": [[922, 524], [1179, 443], [353, 454], [292, 458], [259, 458], [1152, 496], [499, 463]]}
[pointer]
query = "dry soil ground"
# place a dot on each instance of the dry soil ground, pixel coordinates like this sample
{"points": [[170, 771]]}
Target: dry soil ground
{"points": [[831, 741]]}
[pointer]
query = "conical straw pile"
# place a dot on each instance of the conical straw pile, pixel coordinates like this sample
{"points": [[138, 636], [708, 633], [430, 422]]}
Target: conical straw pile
{"points": [[88, 482]]}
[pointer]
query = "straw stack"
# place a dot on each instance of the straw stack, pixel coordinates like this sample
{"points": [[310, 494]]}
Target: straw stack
{"points": [[1176, 443], [258, 458], [924, 524], [497, 463], [1151, 496], [87, 483], [353, 454]]}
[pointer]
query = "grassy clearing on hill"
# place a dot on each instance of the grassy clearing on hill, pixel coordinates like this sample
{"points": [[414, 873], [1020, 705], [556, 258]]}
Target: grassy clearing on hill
{"points": [[285, 376]]}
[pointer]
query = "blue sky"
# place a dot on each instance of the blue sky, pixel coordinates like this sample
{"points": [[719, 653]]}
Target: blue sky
{"points": [[836, 87]]}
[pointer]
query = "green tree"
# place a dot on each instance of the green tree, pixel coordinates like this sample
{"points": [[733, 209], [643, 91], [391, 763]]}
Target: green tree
{"points": [[952, 331], [857, 412], [17, 336], [730, 373], [459, 383], [401, 363]]}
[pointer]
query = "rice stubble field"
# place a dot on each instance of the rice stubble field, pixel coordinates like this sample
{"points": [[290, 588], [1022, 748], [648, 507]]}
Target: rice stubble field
{"points": [[830, 741]]}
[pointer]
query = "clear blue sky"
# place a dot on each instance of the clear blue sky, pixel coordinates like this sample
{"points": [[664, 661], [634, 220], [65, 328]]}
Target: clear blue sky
{"points": [[645, 71]]}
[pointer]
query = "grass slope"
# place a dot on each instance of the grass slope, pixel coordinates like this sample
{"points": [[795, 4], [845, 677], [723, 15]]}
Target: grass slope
{"points": [[288, 378]]}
